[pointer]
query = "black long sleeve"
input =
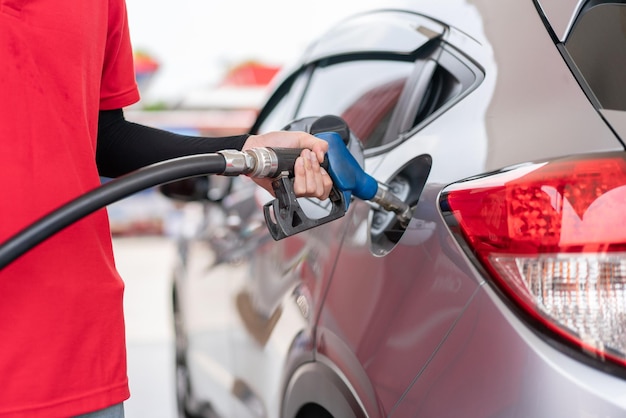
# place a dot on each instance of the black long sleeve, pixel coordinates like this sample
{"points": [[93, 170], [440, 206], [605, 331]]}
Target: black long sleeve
{"points": [[125, 146]]}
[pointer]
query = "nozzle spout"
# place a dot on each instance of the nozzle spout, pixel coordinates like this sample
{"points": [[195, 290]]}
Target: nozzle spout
{"points": [[392, 203]]}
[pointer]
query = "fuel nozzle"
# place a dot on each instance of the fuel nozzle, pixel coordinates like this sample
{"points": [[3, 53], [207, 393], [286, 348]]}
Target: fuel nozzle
{"points": [[351, 179], [284, 216], [391, 203]]}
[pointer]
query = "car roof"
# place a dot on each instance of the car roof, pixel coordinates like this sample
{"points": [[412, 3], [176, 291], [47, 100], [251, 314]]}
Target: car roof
{"points": [[560, 14], [382, 30]]}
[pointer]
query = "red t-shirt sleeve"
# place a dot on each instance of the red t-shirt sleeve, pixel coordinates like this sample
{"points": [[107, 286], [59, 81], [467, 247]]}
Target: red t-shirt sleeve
{"points": [[119, 86]]}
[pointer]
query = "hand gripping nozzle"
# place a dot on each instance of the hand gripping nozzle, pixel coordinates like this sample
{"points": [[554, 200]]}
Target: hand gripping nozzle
{"points": [[284, 216]]}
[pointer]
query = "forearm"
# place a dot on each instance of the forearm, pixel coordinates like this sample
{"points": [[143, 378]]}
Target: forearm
{"points": [[125, 146]]}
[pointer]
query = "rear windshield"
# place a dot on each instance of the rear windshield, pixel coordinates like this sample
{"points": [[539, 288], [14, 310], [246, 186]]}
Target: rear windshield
{"points": [[597, 46]]}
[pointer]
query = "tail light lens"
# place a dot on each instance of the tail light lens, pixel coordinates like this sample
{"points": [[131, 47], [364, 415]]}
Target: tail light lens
{"points": [[553, 238]]}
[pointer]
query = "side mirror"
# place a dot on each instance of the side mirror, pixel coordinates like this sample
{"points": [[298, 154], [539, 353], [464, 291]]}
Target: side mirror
{"points": [[198, 189]]}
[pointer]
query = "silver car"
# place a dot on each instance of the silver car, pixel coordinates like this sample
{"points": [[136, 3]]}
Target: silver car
{"points": [[502, 123]]}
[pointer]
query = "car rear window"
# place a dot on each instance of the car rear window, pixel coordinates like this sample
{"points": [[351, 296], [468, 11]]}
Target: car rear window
{"points": [[597, 46]]}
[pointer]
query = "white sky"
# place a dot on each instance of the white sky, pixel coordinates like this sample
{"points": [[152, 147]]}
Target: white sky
{"points": [[195, 40]]}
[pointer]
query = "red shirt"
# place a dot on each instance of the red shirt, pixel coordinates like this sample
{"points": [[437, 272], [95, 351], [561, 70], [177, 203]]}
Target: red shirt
{"points": [[62, 344]]}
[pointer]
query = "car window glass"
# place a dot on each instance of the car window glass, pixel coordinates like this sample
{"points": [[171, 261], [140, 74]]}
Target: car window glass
{"points": [[363, 92], [276, 119], [283, 111], [597, 45]]}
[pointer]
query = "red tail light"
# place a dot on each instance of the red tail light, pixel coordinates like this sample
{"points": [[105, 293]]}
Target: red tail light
{"points": [[553, 237]]}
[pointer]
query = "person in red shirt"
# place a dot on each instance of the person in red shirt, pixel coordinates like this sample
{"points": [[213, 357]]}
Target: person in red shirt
{"points": [[66, 73]]}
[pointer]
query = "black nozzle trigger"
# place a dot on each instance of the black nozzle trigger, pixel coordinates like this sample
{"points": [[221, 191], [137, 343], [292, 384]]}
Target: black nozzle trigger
{"points": [[284, 216]]}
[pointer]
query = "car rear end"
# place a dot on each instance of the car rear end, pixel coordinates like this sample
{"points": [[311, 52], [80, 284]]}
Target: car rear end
{"points": [[545, 332], [520, 268]]}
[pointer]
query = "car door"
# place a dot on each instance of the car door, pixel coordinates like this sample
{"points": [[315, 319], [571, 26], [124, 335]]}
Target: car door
{"points": [[365, 81], [386, 93], [398, 109]]}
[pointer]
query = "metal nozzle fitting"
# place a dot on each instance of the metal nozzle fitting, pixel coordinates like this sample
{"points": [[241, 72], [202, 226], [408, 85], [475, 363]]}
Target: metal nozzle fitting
{"points": [[237, 162], [391, 202], [255, 162], [266, 162]]}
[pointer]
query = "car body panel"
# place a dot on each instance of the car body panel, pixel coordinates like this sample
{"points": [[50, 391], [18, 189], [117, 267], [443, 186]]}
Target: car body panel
{"points": [[374, 303], [560, 14], [526, 377], [617, 120], [266, 312], [527, 103]]}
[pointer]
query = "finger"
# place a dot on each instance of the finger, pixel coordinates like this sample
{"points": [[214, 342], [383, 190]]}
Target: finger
{"points": [[320, 148], [315, 185], [327, 183], [307, 176], [299, 181], [310, 180], [317, 145]]}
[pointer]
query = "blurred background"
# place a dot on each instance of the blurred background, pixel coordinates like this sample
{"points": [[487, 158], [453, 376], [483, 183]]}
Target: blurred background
{"points": [[203, 68]]}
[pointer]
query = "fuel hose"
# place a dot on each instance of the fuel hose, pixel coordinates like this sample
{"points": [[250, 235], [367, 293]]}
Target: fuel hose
{"points": [[284, 216], [110, 192]]}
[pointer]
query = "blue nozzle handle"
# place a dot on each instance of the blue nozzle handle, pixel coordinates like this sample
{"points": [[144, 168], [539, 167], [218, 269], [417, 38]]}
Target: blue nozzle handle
{"points": [[348, 176]]}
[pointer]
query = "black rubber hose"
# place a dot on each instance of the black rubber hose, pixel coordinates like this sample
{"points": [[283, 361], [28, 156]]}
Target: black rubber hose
{"points": [[114, 190]]}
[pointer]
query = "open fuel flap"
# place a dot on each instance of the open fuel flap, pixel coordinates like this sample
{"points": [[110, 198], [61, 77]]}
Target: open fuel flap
{"points": [[407, 185]]}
